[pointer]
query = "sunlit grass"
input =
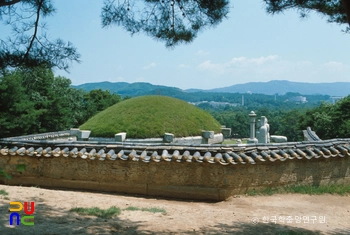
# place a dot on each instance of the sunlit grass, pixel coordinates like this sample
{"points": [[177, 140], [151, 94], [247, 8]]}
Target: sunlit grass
{"points": [[303, 189], [316, 190], [132, 208], [3, 192], [95, 211], [298, 233], [152, 209]]}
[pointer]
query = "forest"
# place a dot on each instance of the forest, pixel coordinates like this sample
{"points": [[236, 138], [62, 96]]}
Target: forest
{"points": [[33, 100]]}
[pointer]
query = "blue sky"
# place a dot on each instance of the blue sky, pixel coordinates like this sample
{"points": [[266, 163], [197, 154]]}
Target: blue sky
{"points": [[250, 46]]}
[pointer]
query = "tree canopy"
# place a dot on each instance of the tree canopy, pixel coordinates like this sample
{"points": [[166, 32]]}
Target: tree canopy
{"points": [[170, 21], [33, 101], [27, 47], [337, 11]]}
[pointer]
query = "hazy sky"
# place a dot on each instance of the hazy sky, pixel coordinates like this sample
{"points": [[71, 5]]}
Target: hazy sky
{"points": [[249, 46]]}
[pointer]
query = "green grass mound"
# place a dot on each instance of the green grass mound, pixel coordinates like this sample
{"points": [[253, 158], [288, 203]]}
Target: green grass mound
{"points": [[151, 117]]}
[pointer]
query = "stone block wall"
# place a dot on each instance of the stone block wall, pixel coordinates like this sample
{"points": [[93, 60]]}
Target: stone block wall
{"points": [[191, 180]]}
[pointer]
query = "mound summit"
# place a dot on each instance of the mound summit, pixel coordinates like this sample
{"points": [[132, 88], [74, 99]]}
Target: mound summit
{"points": [[151, 117]]}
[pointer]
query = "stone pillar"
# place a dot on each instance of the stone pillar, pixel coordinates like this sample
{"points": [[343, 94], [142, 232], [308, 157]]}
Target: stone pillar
{"points": [[252, 139]]}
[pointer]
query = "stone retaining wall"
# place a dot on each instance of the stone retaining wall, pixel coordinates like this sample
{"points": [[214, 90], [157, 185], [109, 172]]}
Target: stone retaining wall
{"points": [[201, 181]]}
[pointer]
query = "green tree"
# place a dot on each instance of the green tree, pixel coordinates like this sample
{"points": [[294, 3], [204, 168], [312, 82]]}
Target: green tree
{"points": [[236, 119], [329, 120], [341, 117], [38, 85], [60, 106], [289, 125], [17, 110], [34, 101], [66, 108], [317, 119], [96, 101]]}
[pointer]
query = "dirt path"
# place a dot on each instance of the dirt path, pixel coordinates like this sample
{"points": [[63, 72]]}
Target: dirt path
{"points": [[277, 214]]}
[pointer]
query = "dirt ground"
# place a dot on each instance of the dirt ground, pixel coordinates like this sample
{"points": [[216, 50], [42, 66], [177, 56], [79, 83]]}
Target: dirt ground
{"points": [[241, 214]]}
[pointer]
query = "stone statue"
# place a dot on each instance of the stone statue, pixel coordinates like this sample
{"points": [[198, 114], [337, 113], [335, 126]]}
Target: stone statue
{"points": [[263, 134]]}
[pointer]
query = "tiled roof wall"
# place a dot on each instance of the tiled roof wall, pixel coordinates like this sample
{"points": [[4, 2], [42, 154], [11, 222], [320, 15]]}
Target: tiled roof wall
{"points": [[178, 171], [44, 136], [310, 135], [222, 154]]}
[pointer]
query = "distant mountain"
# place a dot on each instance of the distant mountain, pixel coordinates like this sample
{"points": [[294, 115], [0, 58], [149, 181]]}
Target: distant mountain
{"points": [[282, 87], [192, 90], [268, 88], [102, 85], [131, 89]]}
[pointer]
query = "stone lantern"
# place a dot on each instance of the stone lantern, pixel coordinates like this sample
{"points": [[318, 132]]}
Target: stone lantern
{"points": [[252, 139]]}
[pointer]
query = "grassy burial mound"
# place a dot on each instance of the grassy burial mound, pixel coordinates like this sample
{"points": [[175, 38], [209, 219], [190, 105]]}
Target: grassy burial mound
{"points": [[151, 117]]}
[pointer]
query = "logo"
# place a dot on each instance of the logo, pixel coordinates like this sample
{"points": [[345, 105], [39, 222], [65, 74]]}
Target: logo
{"points": [[27, 219]]}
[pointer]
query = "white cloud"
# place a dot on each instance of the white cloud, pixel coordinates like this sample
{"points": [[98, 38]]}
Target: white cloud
{"points": [[334, 66], [304, 63], [239, 63], [120, 79], [273, 67], [263, 60], [334, 63], [151, 65], [119, 68], [183, 66], [140, 79], [202, 53]]}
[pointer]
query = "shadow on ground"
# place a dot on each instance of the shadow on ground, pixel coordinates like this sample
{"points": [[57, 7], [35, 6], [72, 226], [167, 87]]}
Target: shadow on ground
{"points": [[57, 221]]}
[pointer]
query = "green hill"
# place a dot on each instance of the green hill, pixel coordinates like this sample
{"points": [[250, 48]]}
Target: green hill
{"points": [[131, 89], [268, 88], [150, 117]]}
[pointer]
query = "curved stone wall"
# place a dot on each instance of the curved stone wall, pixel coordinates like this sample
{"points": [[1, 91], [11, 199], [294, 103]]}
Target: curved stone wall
{"points": [[203, 172]]}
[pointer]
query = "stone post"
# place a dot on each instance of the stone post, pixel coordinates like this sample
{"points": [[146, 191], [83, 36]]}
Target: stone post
{"points": [[120, 137], [168, 137], [83, 135], [226, 132], [252, 139], [206, 135]]}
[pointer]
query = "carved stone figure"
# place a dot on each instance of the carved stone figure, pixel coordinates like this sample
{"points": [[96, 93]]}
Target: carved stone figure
{"points": [[263, 134]]}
